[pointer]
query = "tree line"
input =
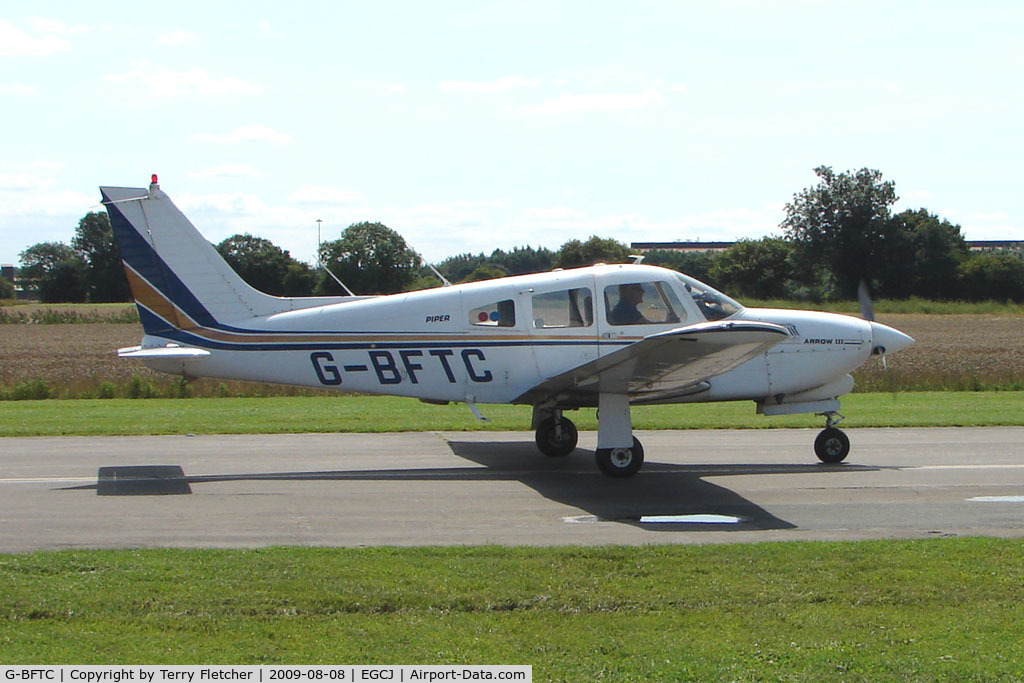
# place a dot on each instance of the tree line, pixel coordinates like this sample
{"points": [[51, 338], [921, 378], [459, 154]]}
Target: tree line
{"points": [[835, 235]]}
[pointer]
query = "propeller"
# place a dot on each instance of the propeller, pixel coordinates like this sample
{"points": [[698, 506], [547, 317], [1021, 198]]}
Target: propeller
{"points": [[867, 311], [883, 337]]}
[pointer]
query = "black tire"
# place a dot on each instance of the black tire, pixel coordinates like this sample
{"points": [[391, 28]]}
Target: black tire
{"points": [[620, 462], [552, 446], [832, 446]]}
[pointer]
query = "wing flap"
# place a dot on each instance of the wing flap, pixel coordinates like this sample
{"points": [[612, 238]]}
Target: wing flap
{"points": [[666, 363]]}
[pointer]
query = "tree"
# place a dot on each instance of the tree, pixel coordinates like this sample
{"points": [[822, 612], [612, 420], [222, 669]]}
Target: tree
{"points": [[457, 268], [41, 258], [7, 289], [998, 276], [95, 244], [595, 250], [928, 265], [370, 258], [266, 266], [523, 260], [842, 225], [755, 268], [57, 272], [696, 264], [300, 280], [485, 272], [66, 282]]}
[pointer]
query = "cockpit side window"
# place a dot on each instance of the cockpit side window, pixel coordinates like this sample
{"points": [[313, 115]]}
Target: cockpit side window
{"points": [[498, 314], [563, 308], [642, 303], [713, 304]]}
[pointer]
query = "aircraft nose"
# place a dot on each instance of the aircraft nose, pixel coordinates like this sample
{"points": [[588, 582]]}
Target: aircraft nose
{"points": [[886, 340]]}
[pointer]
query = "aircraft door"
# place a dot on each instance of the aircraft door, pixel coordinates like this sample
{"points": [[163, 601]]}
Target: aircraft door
{"points": [[563, 325], [631, 311]]}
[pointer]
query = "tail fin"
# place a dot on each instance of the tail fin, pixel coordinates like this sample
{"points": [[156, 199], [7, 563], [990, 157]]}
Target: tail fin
{"points": [[178, 279]]}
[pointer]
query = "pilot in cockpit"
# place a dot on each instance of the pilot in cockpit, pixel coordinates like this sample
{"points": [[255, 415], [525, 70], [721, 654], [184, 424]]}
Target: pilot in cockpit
{"points": [[625, 311]]}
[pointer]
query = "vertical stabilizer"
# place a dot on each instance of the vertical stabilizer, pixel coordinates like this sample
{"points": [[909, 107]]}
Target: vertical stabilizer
{"points": [[178, 278]]}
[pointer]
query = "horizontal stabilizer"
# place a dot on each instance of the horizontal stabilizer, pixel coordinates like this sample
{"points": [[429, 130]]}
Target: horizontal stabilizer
{"points": [[171, 351]]}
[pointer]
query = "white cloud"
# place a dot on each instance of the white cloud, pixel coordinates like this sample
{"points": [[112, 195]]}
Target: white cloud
{"points": [[225, 171], [28, 194], [310, 194], [44, 25], [255, 132], [984, 225], [176, 38], [568, 103], [16, 89], [500, 85], [16, 182], [165, 83], [17, 42]]}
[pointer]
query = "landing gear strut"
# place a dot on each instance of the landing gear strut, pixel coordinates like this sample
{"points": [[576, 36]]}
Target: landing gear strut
{"points": [[619, 453], [832, 445]]}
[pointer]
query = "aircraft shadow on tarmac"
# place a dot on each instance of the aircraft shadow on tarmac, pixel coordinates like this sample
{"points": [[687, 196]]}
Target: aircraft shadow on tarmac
{"points": [[662, 497]]}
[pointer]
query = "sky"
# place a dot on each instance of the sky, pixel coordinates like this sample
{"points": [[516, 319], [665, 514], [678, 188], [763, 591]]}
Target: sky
{"points": [[471, 126]]}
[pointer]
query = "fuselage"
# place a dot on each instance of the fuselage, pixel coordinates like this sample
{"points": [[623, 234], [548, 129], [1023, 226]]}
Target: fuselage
{"points": [[491, 342]]}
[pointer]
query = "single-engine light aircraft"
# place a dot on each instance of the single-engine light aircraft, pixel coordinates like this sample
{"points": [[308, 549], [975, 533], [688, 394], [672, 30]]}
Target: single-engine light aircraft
{"points": [[609, 336]]}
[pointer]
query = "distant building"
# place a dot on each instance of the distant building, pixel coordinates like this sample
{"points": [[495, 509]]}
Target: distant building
{"points": [[994, 245], [680, 246], [9, 273]]}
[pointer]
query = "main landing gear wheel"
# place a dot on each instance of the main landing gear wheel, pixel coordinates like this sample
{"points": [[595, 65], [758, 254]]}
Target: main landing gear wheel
{"points": [[621, 462], [556, 438], [832, 445]]}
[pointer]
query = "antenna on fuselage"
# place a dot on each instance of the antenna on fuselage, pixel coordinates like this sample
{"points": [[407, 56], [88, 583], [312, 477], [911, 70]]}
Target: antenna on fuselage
{"points": [[438, 274], [320, 263]]}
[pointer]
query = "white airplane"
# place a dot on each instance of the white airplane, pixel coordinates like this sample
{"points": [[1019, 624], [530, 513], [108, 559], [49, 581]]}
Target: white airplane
{"points": [[610, 336]]}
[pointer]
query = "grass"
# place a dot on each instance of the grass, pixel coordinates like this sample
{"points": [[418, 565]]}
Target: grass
{"points": [[889, 306], [943, 609], [26, 312], [391, 414]]}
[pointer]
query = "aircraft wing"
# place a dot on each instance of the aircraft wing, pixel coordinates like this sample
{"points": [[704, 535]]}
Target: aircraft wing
{"points": [[663, 365]]}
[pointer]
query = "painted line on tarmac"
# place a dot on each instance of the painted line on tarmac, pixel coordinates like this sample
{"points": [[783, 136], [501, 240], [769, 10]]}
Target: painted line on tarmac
{"points": [[1011, 466], [49, 480]]}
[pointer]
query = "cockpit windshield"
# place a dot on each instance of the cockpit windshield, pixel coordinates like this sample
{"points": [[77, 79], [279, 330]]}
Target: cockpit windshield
{"points": [[712, 304]]}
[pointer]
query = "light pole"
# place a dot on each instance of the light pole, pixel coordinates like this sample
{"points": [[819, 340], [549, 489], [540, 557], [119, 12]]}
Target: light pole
{"points": [[318, 222]]}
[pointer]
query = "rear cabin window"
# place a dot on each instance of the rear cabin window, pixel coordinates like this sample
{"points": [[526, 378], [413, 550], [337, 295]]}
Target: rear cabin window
{"points": [[642, 303], [564, 308], [498, 314]]}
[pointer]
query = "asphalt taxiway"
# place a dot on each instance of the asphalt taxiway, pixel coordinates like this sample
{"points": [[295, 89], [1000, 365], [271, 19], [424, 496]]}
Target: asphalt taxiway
{"points": [[495, 488]]}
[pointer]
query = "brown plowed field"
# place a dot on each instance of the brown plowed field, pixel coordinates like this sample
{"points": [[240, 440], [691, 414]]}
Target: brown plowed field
{"points": [[963, 351]]}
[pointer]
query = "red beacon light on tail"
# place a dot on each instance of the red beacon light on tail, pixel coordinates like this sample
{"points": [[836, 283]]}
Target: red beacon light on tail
{"points": [[153, 179]]}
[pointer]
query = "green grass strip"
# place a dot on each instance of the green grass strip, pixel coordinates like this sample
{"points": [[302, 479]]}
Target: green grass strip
{"points": [[943, 609], [391, 414]]}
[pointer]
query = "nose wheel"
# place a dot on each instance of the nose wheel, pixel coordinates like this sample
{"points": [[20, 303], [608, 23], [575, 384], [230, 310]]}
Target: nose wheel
{"points": [[556, 436], [832, 445]]}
